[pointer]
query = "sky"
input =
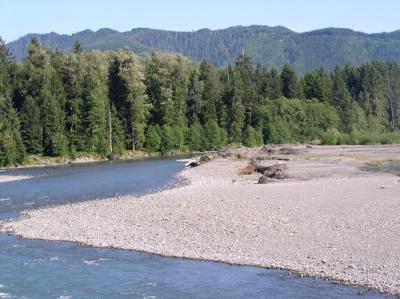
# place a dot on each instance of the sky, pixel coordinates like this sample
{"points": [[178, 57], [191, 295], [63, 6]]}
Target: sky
{"points": [[19, 17]]}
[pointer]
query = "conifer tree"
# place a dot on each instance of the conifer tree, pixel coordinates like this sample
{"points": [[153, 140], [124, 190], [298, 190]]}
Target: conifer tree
{"points": [[274, 85], [250, 137], [195, 101], [72, 72], [341, 99], [96, 110], [12, 150], [289, 82], [212, 133], [211, 91], [31, 128], [196, 138], [130, 97], [237, 111], [54, 140], [153, 139]]}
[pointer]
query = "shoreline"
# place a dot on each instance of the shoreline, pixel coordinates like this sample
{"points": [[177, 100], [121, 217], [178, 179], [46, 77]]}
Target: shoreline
{"points": [[252, 224], [61, 161], [12, 178]]}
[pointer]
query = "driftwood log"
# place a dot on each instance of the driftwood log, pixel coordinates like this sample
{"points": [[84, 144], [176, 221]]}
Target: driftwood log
{"points": [[198, 161], [192, 163], [277, 171]]}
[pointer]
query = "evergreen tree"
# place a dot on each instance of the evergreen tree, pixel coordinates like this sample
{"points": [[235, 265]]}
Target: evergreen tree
{"points": [[211, 91], [12, 150], [54, 140], [118, 138], [212, 133], [313, 87], [341, 99], [131, 99], [373, 96], [72, 71], [237, 110], [195, 100], [153, 139], [97, 110], [196, 139], [250, 138], [31, 128], [274, 85], [289, 82]]}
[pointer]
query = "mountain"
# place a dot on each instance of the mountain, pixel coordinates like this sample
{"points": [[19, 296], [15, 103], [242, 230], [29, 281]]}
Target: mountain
{"points": [[269, 46]]}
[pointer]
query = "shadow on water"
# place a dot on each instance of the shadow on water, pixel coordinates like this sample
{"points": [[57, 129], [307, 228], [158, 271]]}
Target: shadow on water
{"points": [[43, 269]]}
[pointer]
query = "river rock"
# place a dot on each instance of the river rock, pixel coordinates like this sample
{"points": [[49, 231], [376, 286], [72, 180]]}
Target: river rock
{"points": [[264, 180]]}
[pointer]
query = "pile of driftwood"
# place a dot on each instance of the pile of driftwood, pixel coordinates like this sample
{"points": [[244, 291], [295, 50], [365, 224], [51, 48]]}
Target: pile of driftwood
{"points": [[225, 153], [198, 161], [276, 171], [279, 150]]}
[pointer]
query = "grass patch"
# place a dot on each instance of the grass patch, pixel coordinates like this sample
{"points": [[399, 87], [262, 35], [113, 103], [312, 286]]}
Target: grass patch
{"points": [[240, 156], [389, 166]]}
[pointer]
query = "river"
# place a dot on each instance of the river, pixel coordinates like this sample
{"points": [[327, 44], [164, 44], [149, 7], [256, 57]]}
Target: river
{"points": [[42, 269]]}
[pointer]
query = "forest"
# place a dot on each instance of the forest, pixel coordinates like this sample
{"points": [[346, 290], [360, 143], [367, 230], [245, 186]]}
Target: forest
{"points": [[269, 46], [109, 102]]}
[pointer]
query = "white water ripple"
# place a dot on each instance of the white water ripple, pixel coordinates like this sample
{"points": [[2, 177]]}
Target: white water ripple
{"points": [[95, 262], [5, 295]]}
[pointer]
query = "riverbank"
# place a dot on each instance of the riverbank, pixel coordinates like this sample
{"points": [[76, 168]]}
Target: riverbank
{"points": [[327, 219], [11, 178], [33, 161]]}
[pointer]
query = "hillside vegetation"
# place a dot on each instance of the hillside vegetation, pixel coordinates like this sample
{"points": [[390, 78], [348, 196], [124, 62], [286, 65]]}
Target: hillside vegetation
{"points": [[268, 46]]}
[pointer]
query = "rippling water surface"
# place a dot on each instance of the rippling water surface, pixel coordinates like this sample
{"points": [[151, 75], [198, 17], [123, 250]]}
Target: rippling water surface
{"points": [[41, 269]]}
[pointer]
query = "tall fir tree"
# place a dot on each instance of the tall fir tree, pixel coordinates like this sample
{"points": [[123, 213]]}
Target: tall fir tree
{"points": [[289, 82]]}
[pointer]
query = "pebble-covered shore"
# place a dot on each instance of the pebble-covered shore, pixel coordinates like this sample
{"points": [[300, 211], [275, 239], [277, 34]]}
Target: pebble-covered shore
{"points": [[328, 219], [11, 178]]}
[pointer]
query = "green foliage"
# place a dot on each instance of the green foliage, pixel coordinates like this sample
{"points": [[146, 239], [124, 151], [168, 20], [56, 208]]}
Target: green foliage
{"points": [[96, 110], [298, 120], [289, 82], [54, 141], [127, 93], [213, 137], [104, 103], [332, 136], [252, 137], [196, 138], [172, 137], [153, 139], [118, 138], [12, 150]]}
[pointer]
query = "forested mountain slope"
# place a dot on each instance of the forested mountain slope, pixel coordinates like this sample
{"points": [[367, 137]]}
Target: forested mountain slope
{"points": [[269, 46]]}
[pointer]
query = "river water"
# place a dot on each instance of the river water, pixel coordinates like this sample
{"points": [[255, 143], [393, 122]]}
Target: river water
{"points": [[42, 269]]}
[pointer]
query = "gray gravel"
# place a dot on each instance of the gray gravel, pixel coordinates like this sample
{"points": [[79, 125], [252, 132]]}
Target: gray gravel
{"points": [[328, 220]]}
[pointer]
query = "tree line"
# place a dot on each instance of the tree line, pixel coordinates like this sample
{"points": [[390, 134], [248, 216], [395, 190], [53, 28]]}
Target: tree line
{"points": [[65, 104]]}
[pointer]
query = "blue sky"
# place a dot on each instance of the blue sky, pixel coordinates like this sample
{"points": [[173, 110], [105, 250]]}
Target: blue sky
{"points": [[19, 17]]}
